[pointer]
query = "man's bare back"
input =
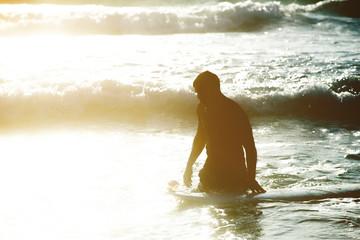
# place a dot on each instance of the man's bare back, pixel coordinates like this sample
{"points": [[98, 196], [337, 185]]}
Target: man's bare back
{"points": [[225, 130]]}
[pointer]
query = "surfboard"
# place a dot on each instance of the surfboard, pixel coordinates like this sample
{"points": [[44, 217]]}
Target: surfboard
{"points": [[296, 194]]}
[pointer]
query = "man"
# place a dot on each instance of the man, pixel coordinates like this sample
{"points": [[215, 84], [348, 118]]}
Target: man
{"points": [[225, 130]]}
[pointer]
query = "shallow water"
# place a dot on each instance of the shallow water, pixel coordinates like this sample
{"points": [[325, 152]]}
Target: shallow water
{"points": [[98, 115], [111, 183]]}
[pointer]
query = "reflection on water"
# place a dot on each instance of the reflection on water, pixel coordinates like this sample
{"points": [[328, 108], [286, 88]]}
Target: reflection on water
{"points": [[238, 222], [241, 221], [111, 182]]}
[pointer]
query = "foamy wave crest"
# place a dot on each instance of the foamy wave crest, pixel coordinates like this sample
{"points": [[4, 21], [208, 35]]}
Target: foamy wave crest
{"points": [[105, 100], [111, 101], [347, 8], [215, 17], [92, 19], [314, 103]]}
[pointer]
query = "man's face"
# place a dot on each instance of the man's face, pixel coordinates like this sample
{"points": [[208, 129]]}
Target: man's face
{"points": [[201, 95]]}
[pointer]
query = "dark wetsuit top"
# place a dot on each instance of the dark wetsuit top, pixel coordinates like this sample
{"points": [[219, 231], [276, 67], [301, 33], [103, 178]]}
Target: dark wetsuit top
{"points": [[227, 129]]}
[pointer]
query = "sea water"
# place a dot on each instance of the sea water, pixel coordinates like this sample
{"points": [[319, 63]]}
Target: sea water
{"points": [[97, 114]]}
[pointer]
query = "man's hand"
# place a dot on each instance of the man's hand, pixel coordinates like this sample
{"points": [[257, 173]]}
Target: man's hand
{"points": [[187, 177], [255, 187]]}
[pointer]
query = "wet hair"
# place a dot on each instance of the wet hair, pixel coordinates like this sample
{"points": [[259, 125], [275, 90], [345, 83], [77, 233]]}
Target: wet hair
{"points": [[207, 80]]}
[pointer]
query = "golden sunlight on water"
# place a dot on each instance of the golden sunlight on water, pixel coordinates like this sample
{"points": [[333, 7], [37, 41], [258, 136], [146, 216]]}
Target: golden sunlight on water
{"points": [[91, 184], [48, 57], [49, 61], [110, 182]]}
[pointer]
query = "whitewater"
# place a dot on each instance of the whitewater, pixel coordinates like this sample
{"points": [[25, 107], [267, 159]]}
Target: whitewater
{"points": [[98, 113]]}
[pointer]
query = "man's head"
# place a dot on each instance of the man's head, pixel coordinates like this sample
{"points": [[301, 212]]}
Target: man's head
{"points": [[206, 85]]}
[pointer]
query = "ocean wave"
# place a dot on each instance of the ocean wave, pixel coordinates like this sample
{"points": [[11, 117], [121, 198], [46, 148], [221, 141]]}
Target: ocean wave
{"points": [[110, 100], [94, 19], [314, 103], [346, 8], [27, 19]]}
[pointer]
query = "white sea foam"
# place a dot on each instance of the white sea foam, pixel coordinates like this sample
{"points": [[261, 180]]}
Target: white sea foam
{"points": [[125, 118], [109, 100], [93, 19]]}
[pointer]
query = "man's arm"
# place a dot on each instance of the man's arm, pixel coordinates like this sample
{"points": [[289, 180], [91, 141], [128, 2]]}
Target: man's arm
{"points": [[251, 159], [197, 147]]}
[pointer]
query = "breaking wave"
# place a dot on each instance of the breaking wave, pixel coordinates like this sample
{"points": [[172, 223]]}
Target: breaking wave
{"points": [[215, 17], [110, 100], [314, 103], [346, 8]]}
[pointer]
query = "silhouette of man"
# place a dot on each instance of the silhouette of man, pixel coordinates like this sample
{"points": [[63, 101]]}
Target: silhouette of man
{"points": [[225, 130]]}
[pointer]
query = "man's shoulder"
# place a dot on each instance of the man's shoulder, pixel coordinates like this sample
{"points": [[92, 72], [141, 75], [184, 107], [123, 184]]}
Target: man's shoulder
{"points": [[236, 110], [231, 101], [233, 104]]}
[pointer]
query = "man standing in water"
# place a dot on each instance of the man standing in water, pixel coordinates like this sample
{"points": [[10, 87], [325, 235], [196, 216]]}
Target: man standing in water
{"points": [[225, 130]]}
